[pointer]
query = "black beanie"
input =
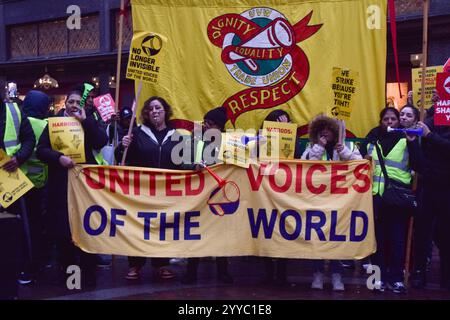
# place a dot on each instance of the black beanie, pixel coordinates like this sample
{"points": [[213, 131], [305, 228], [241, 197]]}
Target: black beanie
{"points": [[218, 116]]}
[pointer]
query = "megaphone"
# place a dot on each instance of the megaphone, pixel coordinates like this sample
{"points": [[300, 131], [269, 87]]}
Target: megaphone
{"points": [[415, 131], [246, 139], [276, 34]]}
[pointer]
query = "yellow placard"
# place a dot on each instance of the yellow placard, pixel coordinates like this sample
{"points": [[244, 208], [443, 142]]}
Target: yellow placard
{"points": [[13, 185], [146, 55], [307, 209], [344, 84], [238, 148], [284, 134], [430, 84], [67, 136]]}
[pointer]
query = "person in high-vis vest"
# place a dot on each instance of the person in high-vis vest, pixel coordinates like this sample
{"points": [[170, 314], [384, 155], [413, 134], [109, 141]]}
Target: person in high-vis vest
{"points": [[324, 145], [17, 140], [401, 154], [58, 166], [207, 152], [35, 107]]}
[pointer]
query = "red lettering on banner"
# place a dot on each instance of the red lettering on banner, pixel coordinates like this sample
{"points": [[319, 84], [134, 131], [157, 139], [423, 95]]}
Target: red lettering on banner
{"points": [[255, 183], [152, 182], [171, 181], [361, 174], [193, 192], [288, 180], [309, 179], [298, 178], [335, 178], [124, 183], [137, 183], [96, 185]]}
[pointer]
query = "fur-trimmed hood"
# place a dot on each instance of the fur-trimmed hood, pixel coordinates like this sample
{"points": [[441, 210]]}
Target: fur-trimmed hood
{"points": [[319, 123]]}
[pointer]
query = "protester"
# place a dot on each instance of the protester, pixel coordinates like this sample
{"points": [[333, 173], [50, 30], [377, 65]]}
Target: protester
{"points": [[434, 203], [325, 145], [214, 120], [401, 154], [18, 142], [275, 268], [59, 164], [409, 116], [150, 145], [35, 107]]}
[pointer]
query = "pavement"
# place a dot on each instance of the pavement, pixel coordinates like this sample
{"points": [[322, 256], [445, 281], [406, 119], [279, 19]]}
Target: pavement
{"points": [[248, 273]]}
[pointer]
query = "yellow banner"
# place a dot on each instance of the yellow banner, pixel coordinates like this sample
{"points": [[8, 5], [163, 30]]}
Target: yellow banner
{"points": [[238, 148], [146, 54], [285, 133], [304, 210], [13, 185], [253, 56], [430, 84], [67, 136], [344, 85]]}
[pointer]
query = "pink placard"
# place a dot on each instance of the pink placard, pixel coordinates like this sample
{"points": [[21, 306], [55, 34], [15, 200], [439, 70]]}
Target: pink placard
{"points": [[105, 106]]}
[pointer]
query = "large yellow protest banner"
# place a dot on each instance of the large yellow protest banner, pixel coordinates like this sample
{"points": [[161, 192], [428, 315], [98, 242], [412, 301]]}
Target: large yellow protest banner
{"points": [[252, 56], [303, 210]]}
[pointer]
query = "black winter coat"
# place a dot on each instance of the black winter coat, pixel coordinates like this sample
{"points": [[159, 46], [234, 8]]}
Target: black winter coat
{"points": [[146, 151], [94, 139], [436, 150]]}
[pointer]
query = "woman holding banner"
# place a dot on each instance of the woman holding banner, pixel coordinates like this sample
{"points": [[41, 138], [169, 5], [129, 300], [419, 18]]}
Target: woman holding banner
{"points": [[400, 154], [58, 166], [326, 143], [150, 145]]}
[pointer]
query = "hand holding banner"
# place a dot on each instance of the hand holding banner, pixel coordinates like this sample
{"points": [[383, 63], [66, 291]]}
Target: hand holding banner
{"points": [[13, 185], [67, 136]]}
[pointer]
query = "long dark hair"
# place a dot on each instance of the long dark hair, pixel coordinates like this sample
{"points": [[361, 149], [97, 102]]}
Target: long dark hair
{"points": [[414, 109], [386, 110], [166, 106]]}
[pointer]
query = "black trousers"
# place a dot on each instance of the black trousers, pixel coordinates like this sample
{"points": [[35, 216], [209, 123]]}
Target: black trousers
{"points": [[390, 232], [433, 215], [139, 262], [11, 243], [192, 266]]}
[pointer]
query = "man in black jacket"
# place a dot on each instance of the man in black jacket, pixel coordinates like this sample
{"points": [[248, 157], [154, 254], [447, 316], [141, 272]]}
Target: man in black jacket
{"points": [[434, 202], [10, 226]]}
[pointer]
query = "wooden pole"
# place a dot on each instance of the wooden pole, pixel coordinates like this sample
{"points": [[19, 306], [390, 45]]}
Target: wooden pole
{"points": [[118, 66], [130, 129], [422, 116]]}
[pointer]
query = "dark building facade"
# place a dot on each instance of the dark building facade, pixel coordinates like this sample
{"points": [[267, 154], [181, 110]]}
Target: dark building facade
{"points": [[35, 40]]}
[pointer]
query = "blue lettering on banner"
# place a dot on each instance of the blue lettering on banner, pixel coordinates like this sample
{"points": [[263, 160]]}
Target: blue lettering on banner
{"points": [[166, 225], [362, 215], [188, 225], [298, 225], [116, 222], [333, 235], [310, 214], [147, 217], [262, 219], [87, 219]]}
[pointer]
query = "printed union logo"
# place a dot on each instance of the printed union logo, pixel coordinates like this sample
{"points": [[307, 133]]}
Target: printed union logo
{"points": [[260, 59], [260, 50], [7, 197], [151, 45], [447, 85]]}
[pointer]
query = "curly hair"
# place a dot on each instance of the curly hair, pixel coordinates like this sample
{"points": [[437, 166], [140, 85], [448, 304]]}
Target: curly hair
{"points": [[319, 123]]}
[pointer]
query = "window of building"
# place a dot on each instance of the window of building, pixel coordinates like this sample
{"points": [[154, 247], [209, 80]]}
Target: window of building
{"points": [[53, 38]]}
